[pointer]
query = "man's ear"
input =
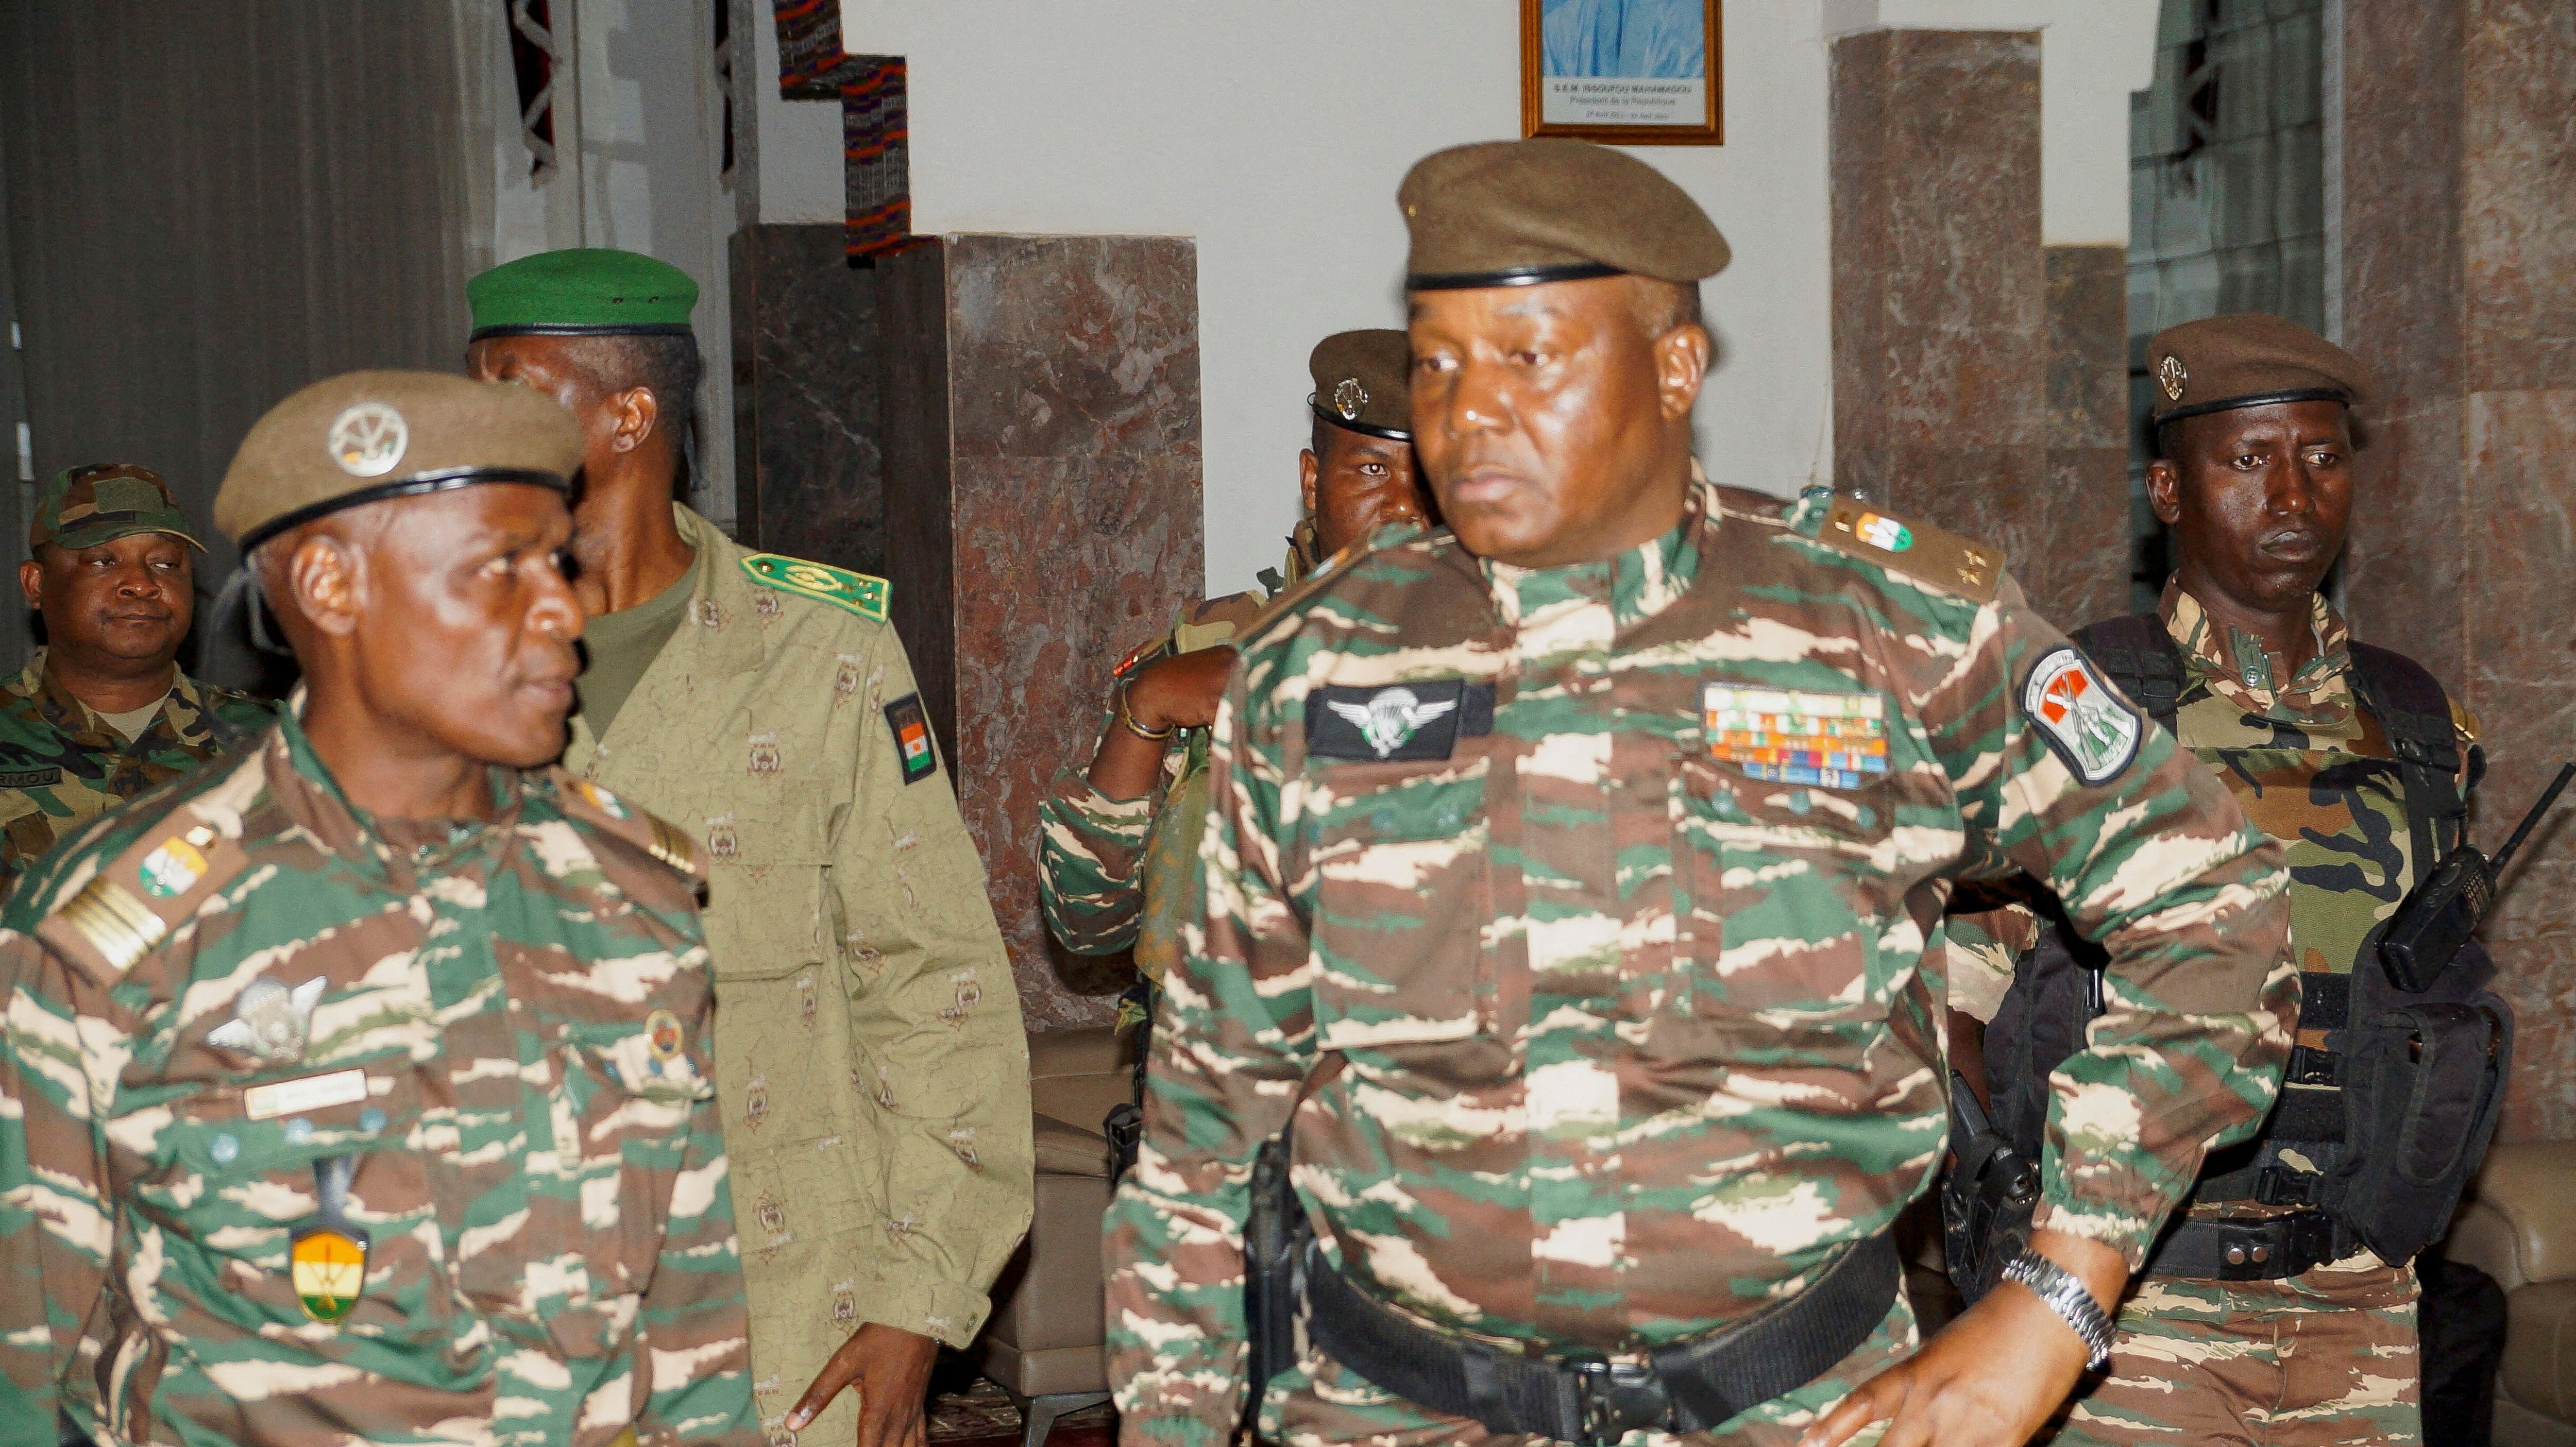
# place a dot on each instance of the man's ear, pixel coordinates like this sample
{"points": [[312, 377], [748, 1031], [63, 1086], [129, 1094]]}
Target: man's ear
{"points": [[326, 580], [635, 412], [31, 581], [1681, 365], [1309, 467], [2164, 491]]}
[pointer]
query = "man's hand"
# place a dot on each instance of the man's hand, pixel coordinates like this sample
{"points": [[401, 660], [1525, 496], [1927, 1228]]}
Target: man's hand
{"points": [[1181, 690], [891, 1369], [1990, 1378]]}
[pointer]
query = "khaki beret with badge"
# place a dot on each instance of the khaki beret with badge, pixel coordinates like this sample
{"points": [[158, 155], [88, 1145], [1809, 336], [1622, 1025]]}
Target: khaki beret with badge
{"points": [[2220, 364], [1518, 213], [99, 502], [367, 436], [1360, 382]]}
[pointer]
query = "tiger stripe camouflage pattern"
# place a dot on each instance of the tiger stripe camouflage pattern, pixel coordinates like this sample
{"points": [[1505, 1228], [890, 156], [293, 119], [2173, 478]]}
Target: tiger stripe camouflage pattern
{"points": [[504, 1024], [1636, 1040]]}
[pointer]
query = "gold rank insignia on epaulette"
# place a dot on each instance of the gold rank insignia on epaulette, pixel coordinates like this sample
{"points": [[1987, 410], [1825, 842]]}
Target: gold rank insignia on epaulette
{"points": [[850, 592], [1917, 550], [115, 921], [661, 838]]}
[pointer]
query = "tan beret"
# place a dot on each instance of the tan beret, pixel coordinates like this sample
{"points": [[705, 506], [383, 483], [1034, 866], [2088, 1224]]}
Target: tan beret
{"points": [[1516, 213], [366, 436], [2248, 360], [1360, 382]]}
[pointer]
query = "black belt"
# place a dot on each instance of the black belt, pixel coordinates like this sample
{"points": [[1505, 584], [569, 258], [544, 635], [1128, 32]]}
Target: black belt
{"points": [[2273, 1249], [1690, 1387]]}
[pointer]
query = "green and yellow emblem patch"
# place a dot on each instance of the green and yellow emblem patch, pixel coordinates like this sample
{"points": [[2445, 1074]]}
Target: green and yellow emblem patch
{"points": [[329, 1266], [852, 592]]}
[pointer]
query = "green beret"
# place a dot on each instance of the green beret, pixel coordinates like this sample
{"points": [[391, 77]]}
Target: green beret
{"points": [[587, 292], [1360, 382], [367, 436], [1516, 213], [99, 502], [2248, 360]]}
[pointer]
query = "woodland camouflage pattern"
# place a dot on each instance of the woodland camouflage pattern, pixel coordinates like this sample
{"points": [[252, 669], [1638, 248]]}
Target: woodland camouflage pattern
{"points": [[1636, 1042], [544, 1182], [62, 765], [874, 1071], [1117, 872]]}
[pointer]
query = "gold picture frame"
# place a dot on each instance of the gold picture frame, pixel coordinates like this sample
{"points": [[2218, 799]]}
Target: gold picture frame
{"points": [[1621, 74]]}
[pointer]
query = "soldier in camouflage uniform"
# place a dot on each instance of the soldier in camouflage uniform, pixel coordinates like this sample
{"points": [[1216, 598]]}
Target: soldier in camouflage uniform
{"points": [[1569, 878], [2316, 1344], [103, 712], [1118, 841], [357, 1089], [874, 1069]]}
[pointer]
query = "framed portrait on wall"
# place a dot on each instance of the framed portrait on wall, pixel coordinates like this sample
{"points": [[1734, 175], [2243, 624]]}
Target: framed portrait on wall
{"points": [[1628, 72]]}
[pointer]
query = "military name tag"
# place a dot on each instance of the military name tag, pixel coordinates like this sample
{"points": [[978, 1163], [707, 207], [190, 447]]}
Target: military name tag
{"points": [[2085, 722], [1397, 721], [311, 1092], [911, 738], [29, 778], [1797, 736]]}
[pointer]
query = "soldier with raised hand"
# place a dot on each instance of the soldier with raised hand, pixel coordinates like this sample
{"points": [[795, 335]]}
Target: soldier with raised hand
{"points": [[1569, 880], [2283, 1307], [1118, 840], [358, 1089], [874, 1069], [103, 711]]}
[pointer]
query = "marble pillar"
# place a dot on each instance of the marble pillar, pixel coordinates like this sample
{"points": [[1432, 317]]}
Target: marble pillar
{"points": [[809, 477], [1043, 515], [2459, 285], [1976, 376]]}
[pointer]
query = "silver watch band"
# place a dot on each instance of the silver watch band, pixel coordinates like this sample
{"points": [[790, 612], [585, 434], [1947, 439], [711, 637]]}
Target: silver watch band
{"points": [[2056, 1286]]}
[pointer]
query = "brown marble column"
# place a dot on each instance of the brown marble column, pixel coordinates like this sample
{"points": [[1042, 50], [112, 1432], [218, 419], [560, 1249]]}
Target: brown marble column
{"points": [[1041, 426], [808, 478], [2459, 285], [1969, 364]]}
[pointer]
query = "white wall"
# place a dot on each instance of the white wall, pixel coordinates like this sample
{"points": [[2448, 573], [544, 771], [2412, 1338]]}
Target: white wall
{"points": [[1275, 135]]}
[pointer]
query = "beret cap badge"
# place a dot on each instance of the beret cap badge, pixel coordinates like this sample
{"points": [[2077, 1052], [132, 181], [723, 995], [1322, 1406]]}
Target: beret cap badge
{"points": [[1349, 397], [2171, 375], [368, 440]]}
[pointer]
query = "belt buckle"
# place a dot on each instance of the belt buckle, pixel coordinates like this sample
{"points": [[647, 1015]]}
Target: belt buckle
{"points": [[1614, 1399]]}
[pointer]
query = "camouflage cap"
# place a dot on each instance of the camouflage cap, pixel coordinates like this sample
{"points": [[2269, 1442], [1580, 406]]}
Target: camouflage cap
{"points": [[99, 502], [1516, 213], [583, 291], [2248, 360], [366, 436], [1360, 382]]}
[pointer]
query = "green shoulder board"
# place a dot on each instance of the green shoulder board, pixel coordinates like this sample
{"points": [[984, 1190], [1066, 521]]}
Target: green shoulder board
{"points": [[1914, 550], [851, 592]]}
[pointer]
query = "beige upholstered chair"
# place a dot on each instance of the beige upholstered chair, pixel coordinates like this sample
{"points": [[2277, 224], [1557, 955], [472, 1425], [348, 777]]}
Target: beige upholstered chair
{"points": [[2519, 1226], [1043, 1345]]}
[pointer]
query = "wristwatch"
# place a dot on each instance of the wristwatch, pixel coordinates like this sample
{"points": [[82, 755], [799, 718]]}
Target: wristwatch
{"points": [[2057, 1287]]}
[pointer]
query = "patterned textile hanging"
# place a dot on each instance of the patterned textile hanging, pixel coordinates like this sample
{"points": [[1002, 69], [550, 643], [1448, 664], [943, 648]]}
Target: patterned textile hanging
{"points": [[532, 60], [876, 170]]}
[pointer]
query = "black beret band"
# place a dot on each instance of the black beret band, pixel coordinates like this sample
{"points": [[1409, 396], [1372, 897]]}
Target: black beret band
{"points": [[1516, 276], [581, 329], [2259, 399], [1348, 425], [417, 485]]}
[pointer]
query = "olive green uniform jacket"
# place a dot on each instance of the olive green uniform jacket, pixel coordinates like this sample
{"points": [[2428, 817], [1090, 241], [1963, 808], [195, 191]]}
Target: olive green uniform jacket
{"points": [[870, 1059]]}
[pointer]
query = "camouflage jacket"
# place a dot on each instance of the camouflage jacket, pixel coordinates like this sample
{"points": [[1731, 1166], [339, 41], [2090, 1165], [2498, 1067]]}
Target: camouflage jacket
{"points": [[61, 764], [1612, 885], [873, 1066], [1115, 872], [316, 1128]]}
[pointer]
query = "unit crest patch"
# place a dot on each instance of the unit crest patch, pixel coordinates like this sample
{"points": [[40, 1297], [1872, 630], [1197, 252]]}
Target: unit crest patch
{"points": [[850, 592], [2086, 723]]}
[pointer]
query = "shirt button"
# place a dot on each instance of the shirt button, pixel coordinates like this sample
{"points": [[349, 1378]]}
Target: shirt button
{"points": [[298, 1131], [223, 1148], [371, 1120], [1799, 803], [2252, 678]]}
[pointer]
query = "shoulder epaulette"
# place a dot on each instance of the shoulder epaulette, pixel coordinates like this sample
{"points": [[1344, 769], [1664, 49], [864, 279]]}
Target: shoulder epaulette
{"points": [[646, 831], [1327, 572], [850, 592], [1917, 550], [136, 897], [1744, 502]]}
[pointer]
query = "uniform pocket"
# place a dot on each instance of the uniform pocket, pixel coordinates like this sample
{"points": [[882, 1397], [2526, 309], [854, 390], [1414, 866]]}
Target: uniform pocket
{"points": [[1403, 897], [1783, 892]]}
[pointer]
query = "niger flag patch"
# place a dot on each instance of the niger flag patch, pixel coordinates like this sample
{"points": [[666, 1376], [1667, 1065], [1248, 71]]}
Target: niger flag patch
{"points": [[911, 729]]}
